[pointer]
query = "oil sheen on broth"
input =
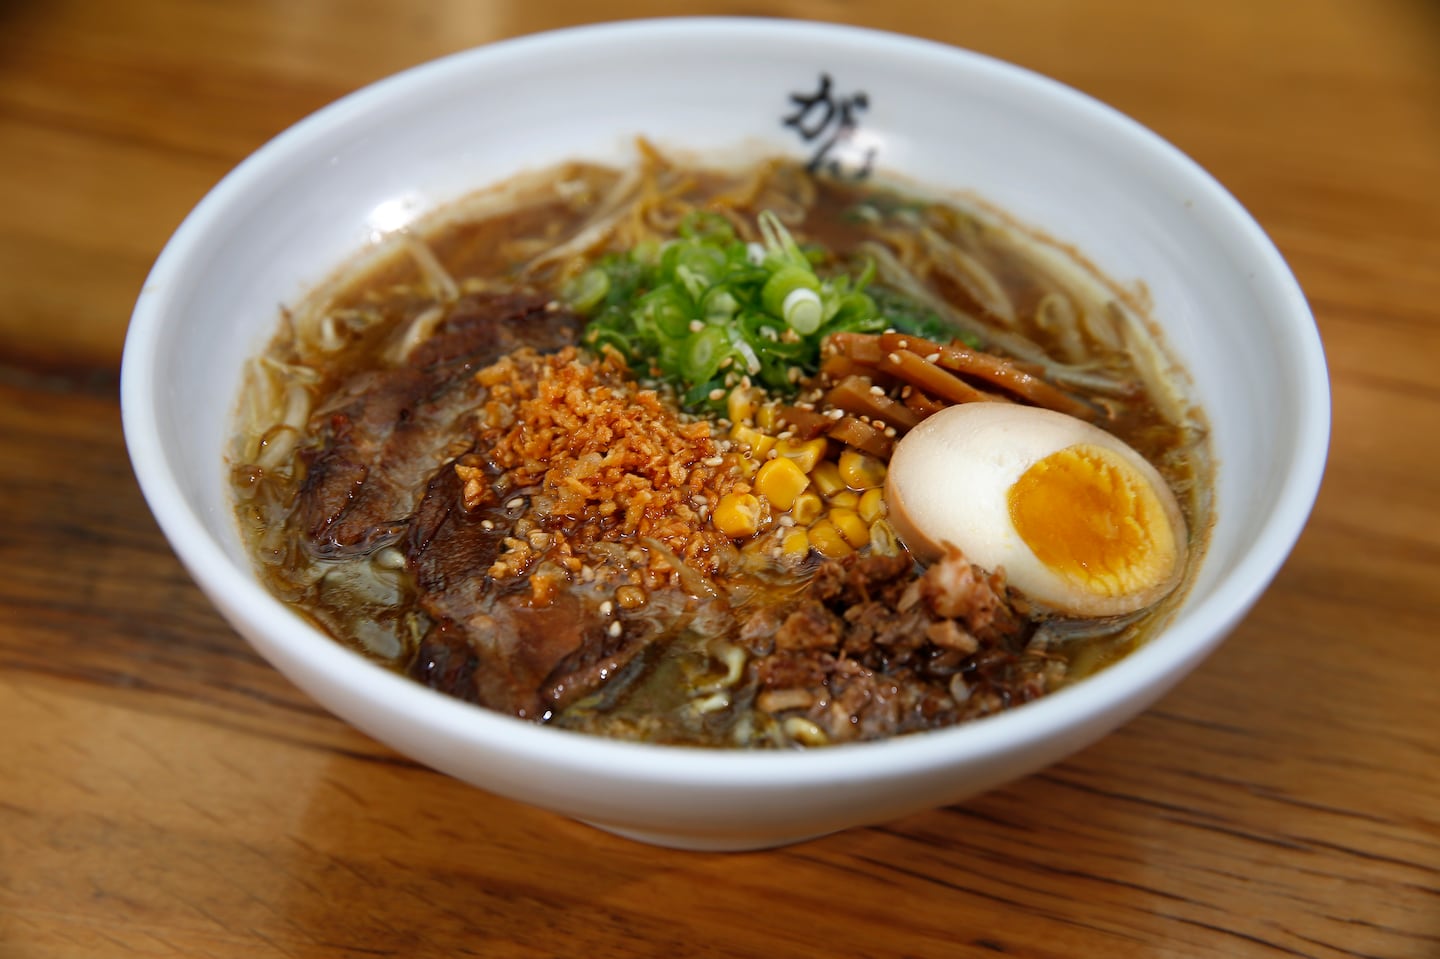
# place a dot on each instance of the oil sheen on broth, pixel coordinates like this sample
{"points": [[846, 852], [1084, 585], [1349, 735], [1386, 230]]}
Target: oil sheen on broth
{"points": [[609, 450]]}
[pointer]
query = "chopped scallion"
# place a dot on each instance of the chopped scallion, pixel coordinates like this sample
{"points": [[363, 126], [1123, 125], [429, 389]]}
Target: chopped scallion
{"points": [[802, 310], [687, 309]]}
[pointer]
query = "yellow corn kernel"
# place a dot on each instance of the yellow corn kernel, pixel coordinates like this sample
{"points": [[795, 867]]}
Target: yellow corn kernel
{"points": [[767, 418], [737, 515], [806, 453], [883, 540], [855, 530], [807, 508], [827, 540], [845, 499], [796, 543], [759, 443], [826, 477], [861, 471], [872, 504], [780, 480], [741, 403]]}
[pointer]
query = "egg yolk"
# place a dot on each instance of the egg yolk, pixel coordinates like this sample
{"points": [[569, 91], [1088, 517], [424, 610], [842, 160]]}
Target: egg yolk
{"points": [[1090, 517]]}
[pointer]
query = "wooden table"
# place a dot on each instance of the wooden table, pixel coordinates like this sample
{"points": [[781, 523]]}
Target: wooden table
{"points": [[163, 792]]}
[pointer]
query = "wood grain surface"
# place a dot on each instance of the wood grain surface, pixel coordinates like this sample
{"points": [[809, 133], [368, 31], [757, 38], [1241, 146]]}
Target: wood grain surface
{"points": [[163, 792]]}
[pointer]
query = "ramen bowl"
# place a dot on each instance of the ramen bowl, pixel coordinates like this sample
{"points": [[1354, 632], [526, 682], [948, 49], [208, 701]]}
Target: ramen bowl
{"points": [[856, 103]]}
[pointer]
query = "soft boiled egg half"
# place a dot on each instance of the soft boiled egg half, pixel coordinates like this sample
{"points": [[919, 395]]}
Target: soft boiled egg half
{"points": [[1077, 520]]}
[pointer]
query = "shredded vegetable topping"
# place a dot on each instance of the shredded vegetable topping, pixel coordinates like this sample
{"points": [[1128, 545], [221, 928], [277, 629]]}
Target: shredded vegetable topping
{"points": [[706, 308]]}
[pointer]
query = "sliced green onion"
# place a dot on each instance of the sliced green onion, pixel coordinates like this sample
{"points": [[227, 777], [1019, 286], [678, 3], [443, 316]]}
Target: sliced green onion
{"points": [[706, 225], [719, 305], [588, 290], [782, 283], [866, 275], [668, 309], [745, 351], [778, 241], [802, 310], [693, 311], [704, 352]]}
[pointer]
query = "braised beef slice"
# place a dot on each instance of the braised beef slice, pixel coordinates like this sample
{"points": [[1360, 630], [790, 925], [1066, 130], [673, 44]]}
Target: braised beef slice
{"points": [[387, 430], [489, 644], [384, 474]]}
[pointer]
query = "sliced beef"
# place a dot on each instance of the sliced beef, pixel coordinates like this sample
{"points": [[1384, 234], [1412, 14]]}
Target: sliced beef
{"points": [[504, 653], [491, 644], [384, 474], [448, 549], [386, 430]]}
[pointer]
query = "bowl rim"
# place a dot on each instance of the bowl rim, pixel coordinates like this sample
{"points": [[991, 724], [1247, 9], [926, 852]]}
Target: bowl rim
{"points": [[1126, 686]]}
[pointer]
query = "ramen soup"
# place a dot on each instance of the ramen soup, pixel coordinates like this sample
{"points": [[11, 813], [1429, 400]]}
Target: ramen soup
{"points": [[746, 458]]}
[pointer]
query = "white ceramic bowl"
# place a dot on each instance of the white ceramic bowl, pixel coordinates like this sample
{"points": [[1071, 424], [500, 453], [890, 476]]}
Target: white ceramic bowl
{"points": [[1137, 207]]}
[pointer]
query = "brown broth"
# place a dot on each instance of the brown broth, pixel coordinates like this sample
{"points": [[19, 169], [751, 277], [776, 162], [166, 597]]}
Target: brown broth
{"points": [[368, 599]]}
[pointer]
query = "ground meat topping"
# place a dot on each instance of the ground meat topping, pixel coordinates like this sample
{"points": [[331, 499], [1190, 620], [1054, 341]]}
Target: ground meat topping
{"points": [[872, 651]]}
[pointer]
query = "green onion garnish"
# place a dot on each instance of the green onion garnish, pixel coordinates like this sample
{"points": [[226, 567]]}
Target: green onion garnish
{"points": [[706, 305]]}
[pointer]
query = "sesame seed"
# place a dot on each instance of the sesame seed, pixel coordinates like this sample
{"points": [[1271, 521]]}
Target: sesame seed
{"points": [[696, 326], [890, 432], [835, 414], [771, 454], [515, 503], [615, 628], [893, 357], [486, 524], [717, 394], [902, 344], [876, 391], [606, 608], [713, 461], [932, 358]]}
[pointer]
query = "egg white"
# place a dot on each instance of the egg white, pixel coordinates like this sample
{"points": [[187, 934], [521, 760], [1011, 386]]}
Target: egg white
{"points": [[950, 478]]}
